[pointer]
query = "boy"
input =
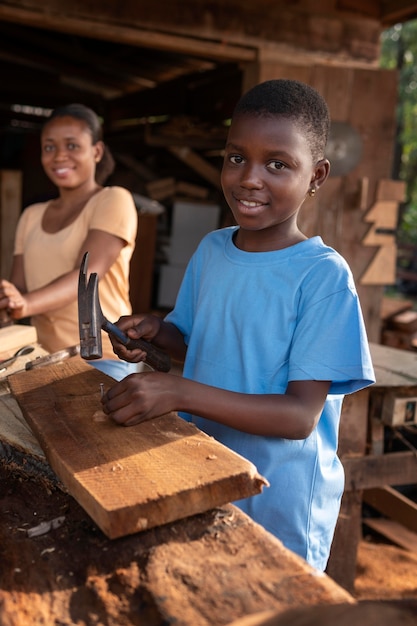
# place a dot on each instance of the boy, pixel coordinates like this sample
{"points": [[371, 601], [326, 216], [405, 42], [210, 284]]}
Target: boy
{"points": [[268, 324]]}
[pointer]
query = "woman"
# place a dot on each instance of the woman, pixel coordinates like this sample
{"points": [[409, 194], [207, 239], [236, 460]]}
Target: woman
{"points": [[52, 237]]}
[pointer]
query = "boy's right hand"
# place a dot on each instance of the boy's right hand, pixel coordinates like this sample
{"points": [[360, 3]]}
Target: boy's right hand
{"points": [[135, 327]]}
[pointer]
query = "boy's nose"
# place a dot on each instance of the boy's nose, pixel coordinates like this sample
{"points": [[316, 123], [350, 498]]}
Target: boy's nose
{"points": [[251, 178]]}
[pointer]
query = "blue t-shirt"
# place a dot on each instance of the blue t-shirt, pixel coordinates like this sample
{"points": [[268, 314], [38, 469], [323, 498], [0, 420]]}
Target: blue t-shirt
{"points": [[254, 321]]}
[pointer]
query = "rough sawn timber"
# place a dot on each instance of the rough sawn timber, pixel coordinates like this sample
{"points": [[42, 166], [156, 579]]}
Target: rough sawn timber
{"points": [[205, 570], [127, 479]]}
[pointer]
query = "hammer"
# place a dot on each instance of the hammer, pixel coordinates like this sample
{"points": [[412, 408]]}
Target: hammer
{"points": [[91, 321]]}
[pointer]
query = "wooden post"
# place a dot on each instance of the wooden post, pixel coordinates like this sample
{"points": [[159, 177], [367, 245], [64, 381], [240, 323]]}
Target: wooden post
{"points": [[142, 264], [10, 209]]}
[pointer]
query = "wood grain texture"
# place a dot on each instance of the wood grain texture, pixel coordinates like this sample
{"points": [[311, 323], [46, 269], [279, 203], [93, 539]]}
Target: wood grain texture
{"points": [[14, 337], [127, 479]]}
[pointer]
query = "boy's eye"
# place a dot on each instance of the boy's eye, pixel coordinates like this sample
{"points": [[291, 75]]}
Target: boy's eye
{"points": [[276, 165], [48, 148], [71, 146], [235, 159]]}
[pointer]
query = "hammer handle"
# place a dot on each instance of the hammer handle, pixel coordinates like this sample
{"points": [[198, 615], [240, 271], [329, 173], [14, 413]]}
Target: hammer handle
{"points": [[154, 357]]}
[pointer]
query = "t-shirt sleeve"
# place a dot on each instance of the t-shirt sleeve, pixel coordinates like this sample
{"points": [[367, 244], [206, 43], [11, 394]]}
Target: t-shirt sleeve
{"points": [[330, 343], [115, 213]]}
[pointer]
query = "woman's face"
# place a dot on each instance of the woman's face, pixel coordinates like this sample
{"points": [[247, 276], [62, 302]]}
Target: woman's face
{"points": [[69, 156]]}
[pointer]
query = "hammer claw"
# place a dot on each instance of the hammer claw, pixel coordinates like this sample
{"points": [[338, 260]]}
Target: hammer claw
{"points": [[92, 321]]}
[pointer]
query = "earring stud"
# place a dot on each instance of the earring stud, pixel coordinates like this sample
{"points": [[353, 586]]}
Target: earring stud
{"points": [[312, 191]]}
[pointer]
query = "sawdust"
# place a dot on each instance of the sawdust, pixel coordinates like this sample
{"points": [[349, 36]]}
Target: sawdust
{"points": [[103, 583], [385, 572]]}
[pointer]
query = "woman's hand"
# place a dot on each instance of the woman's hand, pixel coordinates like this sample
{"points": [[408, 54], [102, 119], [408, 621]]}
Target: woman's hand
{"points": [[141, 397], [13, 300]]}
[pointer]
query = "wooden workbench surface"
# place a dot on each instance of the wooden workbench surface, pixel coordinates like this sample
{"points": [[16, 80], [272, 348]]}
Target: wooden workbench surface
{"points": [[207, 569], [393, 367], [211, 568]]}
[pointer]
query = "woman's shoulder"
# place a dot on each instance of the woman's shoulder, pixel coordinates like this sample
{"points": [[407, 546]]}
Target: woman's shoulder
{"points": [[111, 199], [116, 191], [33, 211]]}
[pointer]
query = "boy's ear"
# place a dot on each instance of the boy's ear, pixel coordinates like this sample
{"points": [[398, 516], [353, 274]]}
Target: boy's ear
{"points": [[322, 171]]}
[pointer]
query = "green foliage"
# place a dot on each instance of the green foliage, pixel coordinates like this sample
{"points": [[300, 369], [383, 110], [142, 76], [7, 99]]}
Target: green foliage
{"points": [[399, 51]]}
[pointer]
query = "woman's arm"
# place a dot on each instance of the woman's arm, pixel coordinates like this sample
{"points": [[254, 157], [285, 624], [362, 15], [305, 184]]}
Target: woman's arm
{"points": [[103, 250]]}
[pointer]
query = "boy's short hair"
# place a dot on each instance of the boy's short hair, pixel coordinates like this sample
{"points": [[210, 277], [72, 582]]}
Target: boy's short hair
{"points": [[294, 100]]}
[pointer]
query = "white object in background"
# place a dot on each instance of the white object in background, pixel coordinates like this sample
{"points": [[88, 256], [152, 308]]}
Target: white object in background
{"points": [[190, 222]]}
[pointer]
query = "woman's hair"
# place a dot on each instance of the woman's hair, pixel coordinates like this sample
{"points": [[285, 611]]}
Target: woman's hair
{"points": [[294, 100], [105, 166]]}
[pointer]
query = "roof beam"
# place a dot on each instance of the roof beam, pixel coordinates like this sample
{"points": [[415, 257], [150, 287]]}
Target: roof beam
{"points": [[105, 31], [394, 11]]}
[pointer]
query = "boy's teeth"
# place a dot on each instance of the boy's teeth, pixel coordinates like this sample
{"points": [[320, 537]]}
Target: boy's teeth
{"points": [[250, 204]]}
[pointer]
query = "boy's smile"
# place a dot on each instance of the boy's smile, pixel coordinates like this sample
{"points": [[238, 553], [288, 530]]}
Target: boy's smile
{"points": [[267, 172]]}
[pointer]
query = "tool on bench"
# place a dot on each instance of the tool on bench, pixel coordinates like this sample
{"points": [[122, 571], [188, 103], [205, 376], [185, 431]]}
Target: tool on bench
{"points": [[21, 352], [55, 357], [92, 321]]}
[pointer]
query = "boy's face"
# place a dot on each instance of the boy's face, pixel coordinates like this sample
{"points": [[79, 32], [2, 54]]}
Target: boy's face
{"points": [[267, 172]]}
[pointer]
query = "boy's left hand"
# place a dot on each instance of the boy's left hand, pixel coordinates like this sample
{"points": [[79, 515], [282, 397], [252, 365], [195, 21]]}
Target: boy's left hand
{"points": [[140, 397]]}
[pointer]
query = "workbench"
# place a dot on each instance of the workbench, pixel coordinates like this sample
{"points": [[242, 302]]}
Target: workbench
{"points": [[212, 568], [367, 467], [371, 472]]}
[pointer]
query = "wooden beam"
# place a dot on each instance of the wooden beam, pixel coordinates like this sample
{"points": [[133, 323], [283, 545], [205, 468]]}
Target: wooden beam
{"points": [[394, 11], [197, 163], [394, 532], [396, 468], [220, 50], [393, 505]]}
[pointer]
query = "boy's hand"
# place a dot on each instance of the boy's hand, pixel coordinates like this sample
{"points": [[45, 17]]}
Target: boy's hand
{"points": [[140, 397], [135, 327]]}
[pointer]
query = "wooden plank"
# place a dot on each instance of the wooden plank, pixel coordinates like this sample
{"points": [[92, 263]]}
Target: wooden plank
{"points": [[392, 306], [407, 321], [396, 468], [393, 505], [14, 337], [393, 367], [395, 532], [127, 479], [206, 570], [382, 269], [393, 190]]}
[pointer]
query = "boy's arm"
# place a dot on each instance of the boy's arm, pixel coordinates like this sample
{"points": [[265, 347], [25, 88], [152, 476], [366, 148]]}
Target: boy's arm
{"points": [[292, 415]]}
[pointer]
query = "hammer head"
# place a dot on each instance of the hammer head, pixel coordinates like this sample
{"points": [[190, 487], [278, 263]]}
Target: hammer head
{"points": [[90, 315]]}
